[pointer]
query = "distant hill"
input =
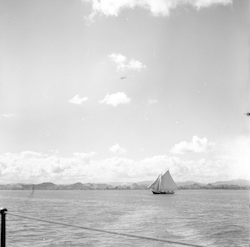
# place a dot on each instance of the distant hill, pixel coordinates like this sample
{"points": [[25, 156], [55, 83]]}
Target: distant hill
{"points": [[232, 184], [239, 182], [188, 183], [120, 183]]}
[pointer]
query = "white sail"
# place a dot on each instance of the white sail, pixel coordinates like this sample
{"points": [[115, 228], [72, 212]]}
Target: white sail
{"points": [[167, 182], [155, 185], [163, 183]]}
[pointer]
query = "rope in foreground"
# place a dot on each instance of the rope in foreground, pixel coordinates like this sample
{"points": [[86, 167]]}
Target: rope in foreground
{"points": [[105, 231]]}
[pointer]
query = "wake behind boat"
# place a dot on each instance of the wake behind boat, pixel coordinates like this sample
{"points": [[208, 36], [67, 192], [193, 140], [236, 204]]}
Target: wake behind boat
{"points": [[164, 184]]}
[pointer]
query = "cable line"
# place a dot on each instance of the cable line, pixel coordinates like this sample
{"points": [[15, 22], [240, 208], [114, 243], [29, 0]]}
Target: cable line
{"points": [[105, 231]]}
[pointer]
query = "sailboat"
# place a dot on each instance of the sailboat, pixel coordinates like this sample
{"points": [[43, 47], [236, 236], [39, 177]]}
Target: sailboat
{"points": [[164, 184]]}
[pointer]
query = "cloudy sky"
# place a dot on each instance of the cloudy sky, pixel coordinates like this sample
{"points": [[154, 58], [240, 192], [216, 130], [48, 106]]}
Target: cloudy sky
{"points": [[108, 90]]}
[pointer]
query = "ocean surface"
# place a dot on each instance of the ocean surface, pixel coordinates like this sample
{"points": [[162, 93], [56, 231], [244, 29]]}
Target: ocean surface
{"points": [[203, 217]]}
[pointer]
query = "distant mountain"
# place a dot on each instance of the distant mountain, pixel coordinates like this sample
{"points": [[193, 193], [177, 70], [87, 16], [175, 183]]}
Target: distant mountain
{"points": [[120, 183], [239, 182], [45, 186], [141, 185], [232, 184], [188, 183], [144, 183], [147, 183]]}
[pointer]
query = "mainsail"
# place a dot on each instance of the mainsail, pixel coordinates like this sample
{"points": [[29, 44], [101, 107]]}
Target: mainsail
{"points": [[163, 183]]}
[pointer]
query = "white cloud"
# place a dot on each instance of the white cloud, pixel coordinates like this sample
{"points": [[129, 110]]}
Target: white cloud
{"points": [[35, 168], [232, 162], [235, 153], [31, 154], [207, 3], [117, 149], [77, 100], [197, 145], [85, 156], [118, 58], [116, 99], [122, 64], [152, 101], [8, 115], [156, 7], [136, 65]]}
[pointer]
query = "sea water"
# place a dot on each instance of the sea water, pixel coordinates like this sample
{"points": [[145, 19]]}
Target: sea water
{"points": [[202, 217]]}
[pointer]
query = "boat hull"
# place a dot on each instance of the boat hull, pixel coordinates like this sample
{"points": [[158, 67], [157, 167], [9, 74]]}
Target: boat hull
{"points": [[163, 192]]}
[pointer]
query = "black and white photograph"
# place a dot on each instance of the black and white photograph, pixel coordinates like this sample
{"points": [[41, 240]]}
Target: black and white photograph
{"points": [[125, 123]]}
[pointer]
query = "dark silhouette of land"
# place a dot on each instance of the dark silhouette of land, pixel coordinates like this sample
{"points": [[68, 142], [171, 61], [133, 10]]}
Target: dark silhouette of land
{"points": [[239, 184]]}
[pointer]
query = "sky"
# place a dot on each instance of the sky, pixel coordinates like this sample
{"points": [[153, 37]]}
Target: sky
{"points": [[120, 91]]}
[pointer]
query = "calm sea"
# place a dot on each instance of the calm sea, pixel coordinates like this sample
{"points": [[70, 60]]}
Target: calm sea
{"points": [[202, 217]]}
